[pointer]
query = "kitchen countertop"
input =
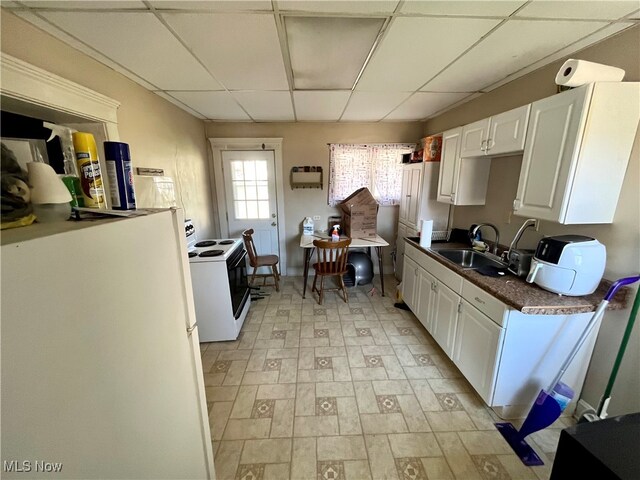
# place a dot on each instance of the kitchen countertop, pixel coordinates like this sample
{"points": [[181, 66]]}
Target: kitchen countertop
{"points": [[526, 297]]}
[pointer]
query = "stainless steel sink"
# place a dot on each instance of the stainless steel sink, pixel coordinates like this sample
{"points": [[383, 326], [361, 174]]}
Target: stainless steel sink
{"points": [[467, 258]]}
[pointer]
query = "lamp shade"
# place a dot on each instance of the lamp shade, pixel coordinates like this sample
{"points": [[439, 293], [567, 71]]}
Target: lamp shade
{"points": [[46, 187]]}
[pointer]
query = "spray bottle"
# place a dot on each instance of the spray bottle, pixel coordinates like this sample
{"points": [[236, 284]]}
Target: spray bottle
{"points": [[89, 167], [70, 177], [335, 236]]}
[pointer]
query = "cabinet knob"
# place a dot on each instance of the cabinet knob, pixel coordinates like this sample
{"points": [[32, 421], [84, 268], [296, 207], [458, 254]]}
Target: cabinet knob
{"points": [[483, 146], [489, 145], [479, 300]]}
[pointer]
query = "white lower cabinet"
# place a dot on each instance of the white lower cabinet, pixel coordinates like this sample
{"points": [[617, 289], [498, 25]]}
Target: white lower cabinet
{"points": [[507, 356], [445, 317], [477, 349], [409, 280], [425, 303]]}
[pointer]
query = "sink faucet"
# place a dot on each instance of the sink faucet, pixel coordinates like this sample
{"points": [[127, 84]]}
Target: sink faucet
{"points": [[475, 229]]}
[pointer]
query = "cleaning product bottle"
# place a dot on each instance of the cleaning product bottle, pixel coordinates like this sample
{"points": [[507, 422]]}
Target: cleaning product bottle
{"points": [[118, 160], [335, 236], [307, 226], [70, 177], [89, 169]]}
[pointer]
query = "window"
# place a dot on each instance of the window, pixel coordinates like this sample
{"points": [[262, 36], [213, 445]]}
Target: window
{"points": [[250, 188], [377, 167]]}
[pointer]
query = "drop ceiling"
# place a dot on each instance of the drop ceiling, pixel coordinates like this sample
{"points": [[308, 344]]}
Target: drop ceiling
{"points": [[364, 61]]}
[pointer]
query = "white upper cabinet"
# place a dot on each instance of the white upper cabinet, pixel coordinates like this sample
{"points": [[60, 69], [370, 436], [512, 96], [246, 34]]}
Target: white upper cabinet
{"points": [[498, 135], [576, 153], [410, 199], [462, 181]]}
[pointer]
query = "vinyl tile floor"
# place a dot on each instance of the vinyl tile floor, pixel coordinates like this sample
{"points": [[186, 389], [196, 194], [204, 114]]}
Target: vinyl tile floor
{"points": [[354, 390]]}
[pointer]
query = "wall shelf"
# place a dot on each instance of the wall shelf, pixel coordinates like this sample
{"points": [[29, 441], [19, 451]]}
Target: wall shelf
{"points": [[306, 177]]}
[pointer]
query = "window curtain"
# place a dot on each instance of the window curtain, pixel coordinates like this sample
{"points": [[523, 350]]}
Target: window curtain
{"points": [[377, 167]]}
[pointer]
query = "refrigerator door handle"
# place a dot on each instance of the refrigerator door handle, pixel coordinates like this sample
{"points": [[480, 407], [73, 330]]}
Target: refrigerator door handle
{"points": [[192, 328]]}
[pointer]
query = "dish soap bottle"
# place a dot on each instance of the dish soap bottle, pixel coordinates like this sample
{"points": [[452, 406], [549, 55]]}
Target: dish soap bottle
{"points": [[335, 236]]}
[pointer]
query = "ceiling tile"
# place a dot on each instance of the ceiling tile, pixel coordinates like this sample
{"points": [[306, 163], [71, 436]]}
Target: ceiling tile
{"points": [[213, 105], [214, 5], [318, 42], [605, 10], [241, 50], [423, 104], [76, 4], [267, 106], [372, 106], [117, 36], [406, 58], [341, 6], [515, 45], [178, 103], [565, 52], [320, 106], [485, 8]]}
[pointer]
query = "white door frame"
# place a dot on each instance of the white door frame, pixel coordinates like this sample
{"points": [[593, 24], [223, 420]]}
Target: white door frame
{"points": [[218, 145]]}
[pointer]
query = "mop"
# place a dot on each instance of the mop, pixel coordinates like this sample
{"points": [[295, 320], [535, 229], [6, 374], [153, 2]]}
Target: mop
{"points": [[552, 400]]}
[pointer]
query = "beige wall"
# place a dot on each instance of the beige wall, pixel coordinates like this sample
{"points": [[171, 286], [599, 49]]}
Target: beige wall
{"points": [[159, 133], [306, 144], [622, 238]]}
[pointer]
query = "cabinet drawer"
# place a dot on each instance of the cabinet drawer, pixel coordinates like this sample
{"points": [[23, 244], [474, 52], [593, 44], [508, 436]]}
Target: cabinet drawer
{"points": [[485, 302], [435, 268]]}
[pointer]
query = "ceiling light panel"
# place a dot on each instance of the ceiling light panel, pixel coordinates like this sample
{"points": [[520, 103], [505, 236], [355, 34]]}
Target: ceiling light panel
{"points": [[213, 105], [163, 62], [214, 5], [73, 4], [372, 106], [512, 47], [320, 106], [466, 8], [267, 106], [602, 10], [328, 52], [381, 7], [409, 54], [241, 50], [423, 104]]}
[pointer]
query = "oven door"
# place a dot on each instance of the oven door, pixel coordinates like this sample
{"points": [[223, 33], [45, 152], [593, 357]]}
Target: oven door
{"points": [[238, 284]]}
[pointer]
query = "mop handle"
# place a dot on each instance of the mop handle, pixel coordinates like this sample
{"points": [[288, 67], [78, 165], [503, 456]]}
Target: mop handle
{"points": [[592, 322]]}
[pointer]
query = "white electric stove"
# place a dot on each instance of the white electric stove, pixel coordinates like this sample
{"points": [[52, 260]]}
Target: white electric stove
{"points": [[220, 290]]}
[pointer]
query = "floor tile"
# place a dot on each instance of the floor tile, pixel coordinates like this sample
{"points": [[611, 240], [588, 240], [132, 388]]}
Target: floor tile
{"points": [[354, 390]]}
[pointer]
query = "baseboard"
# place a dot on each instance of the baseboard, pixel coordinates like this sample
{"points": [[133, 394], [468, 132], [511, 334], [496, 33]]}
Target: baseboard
{"points": [[581, 408]]}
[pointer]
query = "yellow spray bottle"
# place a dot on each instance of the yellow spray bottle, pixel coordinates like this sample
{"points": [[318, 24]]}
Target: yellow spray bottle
{"points": [[89, 169]]}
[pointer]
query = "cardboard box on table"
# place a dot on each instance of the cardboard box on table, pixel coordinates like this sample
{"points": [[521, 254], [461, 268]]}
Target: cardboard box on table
{"points": [[359, 214]]}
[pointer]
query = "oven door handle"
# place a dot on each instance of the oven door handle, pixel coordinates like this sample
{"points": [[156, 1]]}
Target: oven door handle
{"points": [[237, 263]]}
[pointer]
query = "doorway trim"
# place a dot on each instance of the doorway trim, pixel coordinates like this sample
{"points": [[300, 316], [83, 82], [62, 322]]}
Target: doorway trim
{"points": [[218, 145]]}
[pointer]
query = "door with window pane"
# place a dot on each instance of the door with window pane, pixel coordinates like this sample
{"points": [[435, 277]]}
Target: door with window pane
{"points": [[250, 189]]}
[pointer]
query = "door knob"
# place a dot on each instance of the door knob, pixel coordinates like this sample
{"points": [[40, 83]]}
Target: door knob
{"points": [[273, 224]]}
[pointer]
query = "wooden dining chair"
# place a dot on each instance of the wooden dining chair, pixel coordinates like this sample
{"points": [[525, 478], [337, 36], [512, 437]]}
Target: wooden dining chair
{"points": [[256, 261], [332, 262]]}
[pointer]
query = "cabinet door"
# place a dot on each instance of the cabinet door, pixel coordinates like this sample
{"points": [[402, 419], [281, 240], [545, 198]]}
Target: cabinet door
{"points": [[425, 298], [549, 155], [414, 194], [447, 181], [409, 280], [445, 317], [477, 349], [508, 131], [402, 232], [404, 197], [474, 138]]}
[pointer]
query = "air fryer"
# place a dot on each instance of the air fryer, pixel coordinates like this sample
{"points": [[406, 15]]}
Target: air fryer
{"points": [[359, 269]]}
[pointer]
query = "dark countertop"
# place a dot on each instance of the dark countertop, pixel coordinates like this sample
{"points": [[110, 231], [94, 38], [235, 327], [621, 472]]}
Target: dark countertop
{"points": [[527, 297]]}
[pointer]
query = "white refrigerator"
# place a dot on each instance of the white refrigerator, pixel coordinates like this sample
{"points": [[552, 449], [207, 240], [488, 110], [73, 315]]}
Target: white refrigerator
{"points": [[101, 373]]}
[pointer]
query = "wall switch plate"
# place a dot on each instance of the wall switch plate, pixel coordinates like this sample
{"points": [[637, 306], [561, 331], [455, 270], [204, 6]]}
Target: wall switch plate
{"points": [[316, 217]]}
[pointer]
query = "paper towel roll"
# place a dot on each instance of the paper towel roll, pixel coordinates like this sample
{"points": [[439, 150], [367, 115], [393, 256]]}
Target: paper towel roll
{"points": [[426, 229], [575, 73]]}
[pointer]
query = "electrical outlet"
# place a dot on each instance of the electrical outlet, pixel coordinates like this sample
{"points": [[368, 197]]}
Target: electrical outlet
{"points": [[316, 217]]}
